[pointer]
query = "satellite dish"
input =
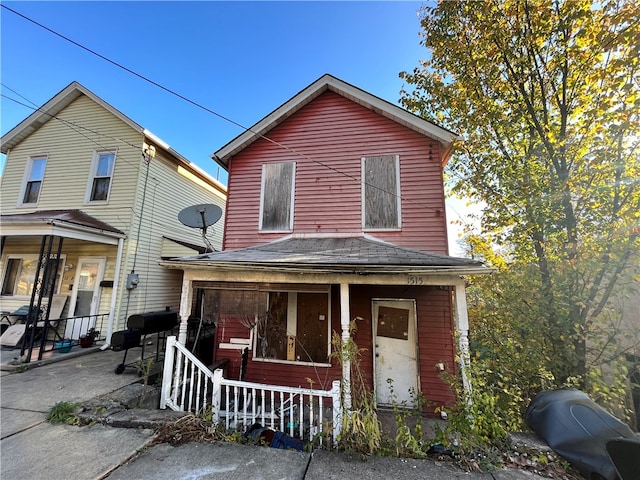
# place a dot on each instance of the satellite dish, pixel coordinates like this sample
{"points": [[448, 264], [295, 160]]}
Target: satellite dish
{"points": [[201, 216]]}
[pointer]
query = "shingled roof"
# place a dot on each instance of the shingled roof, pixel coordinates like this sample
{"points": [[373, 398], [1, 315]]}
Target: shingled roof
{"points": [[70, 217], [336, 252]]}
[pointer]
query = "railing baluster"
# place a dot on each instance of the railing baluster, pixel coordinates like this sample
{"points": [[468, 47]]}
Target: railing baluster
{"points": [[182, 368], [301, 418], [198, 386]]}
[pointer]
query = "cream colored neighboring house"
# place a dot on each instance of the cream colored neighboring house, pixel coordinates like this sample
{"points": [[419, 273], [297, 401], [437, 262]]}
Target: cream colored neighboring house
{"points": [[84, 180]]}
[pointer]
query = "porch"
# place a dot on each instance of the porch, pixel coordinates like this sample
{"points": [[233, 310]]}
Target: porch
{"points": [[25, 340], [279, 308]]}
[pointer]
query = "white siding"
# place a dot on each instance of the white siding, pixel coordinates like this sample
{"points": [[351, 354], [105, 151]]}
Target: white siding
{"points": [[69, 147]]}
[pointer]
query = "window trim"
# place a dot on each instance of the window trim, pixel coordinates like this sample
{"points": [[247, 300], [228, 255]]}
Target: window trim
{"points": [[291, 199], [26, 179], [95, 162], [22, 257], [398, 194], [292, 310]]}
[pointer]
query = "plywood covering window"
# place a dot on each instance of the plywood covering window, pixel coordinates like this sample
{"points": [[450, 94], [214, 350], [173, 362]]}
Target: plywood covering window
{"points": [[33, 178], [101, 176], [393, 323], [276, 202], [381, 193], [295, 328]]}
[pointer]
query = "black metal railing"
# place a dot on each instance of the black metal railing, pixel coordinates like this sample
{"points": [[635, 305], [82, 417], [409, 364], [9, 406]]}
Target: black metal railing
{"points": [[61, 335]]}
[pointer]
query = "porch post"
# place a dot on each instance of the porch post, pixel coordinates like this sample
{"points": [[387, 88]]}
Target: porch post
{"points": [[185, 307], [462, 326], [114, 294], [346, 363]]}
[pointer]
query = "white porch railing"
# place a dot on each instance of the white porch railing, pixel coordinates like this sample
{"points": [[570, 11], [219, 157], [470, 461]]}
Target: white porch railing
{"points": [[189, 385]]}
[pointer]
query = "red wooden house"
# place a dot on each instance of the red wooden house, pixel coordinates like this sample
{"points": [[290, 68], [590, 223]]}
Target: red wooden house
{"points": [[335, 214]]}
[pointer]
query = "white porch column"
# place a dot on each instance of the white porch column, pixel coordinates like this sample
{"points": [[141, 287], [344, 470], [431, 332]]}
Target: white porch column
{"points": [[346, 363], [185, 307], [462, 326]]}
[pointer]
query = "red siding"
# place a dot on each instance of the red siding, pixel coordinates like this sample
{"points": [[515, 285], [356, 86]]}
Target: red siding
{"points": [[435, 340], [332, 134], [435, 334]]}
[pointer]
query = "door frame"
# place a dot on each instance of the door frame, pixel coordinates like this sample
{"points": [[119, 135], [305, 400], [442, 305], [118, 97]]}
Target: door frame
{"points": [[95, 305], [374, 332]]}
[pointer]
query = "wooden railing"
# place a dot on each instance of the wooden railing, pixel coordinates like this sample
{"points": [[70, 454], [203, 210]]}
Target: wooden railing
{"points": [[189, 385]]}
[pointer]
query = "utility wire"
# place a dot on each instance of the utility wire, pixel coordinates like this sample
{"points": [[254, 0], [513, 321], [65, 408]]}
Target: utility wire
{"points": [[219, 115], [77, 128]]}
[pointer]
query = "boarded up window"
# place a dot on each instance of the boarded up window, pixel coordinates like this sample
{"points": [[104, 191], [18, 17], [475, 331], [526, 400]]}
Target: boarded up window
{"points": [[277, 196], [381, 195], [311, 334], [393, 323], [296, 327], [271, 334]]}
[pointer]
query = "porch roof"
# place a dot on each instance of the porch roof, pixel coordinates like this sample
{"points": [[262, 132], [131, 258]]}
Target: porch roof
{"points": [[335, 254], [63, 223]]}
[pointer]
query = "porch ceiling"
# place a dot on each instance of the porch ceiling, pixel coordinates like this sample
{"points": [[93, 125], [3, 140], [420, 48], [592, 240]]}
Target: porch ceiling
{"points": [[362, 255]]}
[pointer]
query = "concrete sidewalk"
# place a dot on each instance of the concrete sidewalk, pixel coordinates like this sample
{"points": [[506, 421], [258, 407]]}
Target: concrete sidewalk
{"points": [[31, 448]]}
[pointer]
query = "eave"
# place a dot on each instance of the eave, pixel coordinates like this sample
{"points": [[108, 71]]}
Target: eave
{"points": [[330, 83]]}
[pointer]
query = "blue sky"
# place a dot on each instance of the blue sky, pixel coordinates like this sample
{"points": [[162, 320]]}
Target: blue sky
{"points": [[239, 59]]}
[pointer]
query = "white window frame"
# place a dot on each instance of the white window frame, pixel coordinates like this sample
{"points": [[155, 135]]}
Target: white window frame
{"points": [[292, 328], [22, 258], [27, 179], [93, 175], [363, 188], [291, 199]]}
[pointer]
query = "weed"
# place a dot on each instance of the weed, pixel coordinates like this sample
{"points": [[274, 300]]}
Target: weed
{"points": [[63, 412], [361, 430], [409, 442]]}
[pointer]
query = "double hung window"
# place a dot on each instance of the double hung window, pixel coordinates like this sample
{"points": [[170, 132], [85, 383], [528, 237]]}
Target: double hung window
{"points": [[34, 176], [101, 176]]}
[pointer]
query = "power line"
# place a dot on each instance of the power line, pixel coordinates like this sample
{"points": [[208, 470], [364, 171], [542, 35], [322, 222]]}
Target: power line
{"points": [[219, 115], [76, 128]]}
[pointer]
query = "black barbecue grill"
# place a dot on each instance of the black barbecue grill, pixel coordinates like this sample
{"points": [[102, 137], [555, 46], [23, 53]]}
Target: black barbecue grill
{"points": [[138, 327]]}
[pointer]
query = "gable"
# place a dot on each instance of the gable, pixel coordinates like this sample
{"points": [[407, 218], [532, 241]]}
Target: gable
{"points": [[350, 92], [327, 139]]}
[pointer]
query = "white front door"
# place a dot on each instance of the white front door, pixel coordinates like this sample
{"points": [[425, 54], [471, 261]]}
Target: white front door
{"points": [[85, 296], [394, 328]]}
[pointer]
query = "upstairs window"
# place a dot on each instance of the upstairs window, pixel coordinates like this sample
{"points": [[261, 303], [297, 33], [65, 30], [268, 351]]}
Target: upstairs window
{"points": [[276, 200], [101, 174], [381, 193], [34, 174]]}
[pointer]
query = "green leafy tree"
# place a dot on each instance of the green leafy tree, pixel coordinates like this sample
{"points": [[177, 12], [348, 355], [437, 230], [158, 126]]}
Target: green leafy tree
{"points": [[546, 97]]}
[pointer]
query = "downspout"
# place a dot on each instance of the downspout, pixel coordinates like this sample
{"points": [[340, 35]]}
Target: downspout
{"points": [[114, 294]]}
